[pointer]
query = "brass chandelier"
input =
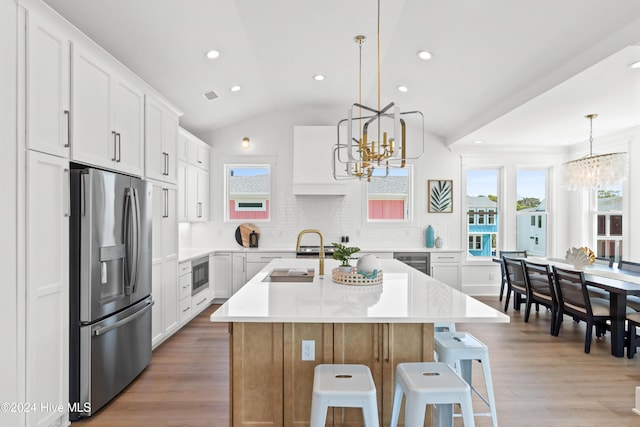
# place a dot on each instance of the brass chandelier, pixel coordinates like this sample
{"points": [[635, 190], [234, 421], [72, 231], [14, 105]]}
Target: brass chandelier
{"points": [[595, 170], [371, 138]]}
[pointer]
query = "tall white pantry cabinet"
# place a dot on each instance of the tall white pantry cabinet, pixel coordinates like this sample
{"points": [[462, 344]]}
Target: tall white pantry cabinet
{"points": [[57, 121]]}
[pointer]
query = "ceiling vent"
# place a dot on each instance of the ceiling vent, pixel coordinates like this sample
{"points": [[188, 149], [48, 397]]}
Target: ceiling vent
{"points": [[211, 95]]}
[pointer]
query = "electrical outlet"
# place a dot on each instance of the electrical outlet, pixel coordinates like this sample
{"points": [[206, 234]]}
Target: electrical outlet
{"points": [[308, 350]]}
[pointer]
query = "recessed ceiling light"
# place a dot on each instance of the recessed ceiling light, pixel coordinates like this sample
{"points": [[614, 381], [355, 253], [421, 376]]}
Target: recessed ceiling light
{"points": [[318, 77], [635, 65], [212, 54], [423, 54], [403, 88], [478, 141], [235, 88]]}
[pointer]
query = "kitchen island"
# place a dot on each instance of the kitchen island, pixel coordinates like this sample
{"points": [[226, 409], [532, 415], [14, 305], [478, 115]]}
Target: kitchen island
{"points": [[280, 331]]}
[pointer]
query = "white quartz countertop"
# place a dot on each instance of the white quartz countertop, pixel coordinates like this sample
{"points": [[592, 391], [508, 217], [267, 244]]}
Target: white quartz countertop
{"points": [[405, 296]]}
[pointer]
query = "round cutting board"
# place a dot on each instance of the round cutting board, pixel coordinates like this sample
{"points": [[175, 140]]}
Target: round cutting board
{"points": [[243, 231]]}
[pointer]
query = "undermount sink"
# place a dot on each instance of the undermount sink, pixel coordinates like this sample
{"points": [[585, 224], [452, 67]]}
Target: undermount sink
{"points": [[290, 275]]}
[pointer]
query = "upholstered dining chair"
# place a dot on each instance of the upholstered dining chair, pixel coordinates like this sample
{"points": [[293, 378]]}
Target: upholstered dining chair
{"points": [[604, 261], [516, 282], [632, 267], [512, 254], [574, 300], [539, 279], [633, 321], [633, 301]]}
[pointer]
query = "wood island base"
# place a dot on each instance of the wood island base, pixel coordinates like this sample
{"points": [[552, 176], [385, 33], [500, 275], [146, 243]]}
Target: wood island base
{"points": [[270, 384]]}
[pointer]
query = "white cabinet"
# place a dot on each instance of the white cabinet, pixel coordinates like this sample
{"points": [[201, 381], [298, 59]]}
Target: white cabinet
{"points": [[164, 269], [47, 82], [184, 288], [197, 194], [161, 141], [200, 301], [182, 191], [312, 161], [239, 271], [193, 178], [220, 274], [198, 153], [445, 266], [108, 115], [47, 287]]}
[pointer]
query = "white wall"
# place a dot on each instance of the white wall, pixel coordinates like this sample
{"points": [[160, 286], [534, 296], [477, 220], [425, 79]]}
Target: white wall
{"points": [[9, 368], [272, 141]]}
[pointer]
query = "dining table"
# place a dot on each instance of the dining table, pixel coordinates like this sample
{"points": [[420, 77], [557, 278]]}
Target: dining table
{"points": [[618, 283]]}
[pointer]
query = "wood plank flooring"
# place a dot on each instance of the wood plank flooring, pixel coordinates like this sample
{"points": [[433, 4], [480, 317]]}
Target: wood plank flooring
{"points": [[539, 380]]}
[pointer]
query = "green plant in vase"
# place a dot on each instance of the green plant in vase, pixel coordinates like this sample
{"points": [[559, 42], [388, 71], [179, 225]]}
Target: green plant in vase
{"points": [[343, 254]]}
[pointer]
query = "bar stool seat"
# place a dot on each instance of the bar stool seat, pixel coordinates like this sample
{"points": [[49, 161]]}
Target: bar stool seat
{"points": [[459, 350], [424, 383], [345, 386]]}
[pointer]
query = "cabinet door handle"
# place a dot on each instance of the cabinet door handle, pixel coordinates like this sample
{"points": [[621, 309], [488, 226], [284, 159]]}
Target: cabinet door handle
{"points": [[119, 147], [376, 344], [115, 143], [68, 192], [186, 309], [165, 165], [385, 341], [165, 193], [199, 209], [203, 300], [68, 144]]}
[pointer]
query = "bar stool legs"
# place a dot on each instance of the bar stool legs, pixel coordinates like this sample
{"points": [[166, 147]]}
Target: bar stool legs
{"points": [[345, 386], [459, 350], [426, 383]]}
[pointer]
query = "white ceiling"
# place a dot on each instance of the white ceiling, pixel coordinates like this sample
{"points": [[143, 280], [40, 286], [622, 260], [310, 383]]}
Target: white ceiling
{"points": [[507, 72]]}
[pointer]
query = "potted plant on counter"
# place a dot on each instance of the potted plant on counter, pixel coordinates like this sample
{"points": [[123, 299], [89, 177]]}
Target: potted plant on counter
{"points": [[343, 254]]}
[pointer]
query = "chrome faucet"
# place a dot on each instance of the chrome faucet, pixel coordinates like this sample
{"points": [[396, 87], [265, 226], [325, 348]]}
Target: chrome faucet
{"points": [[314, 231]]}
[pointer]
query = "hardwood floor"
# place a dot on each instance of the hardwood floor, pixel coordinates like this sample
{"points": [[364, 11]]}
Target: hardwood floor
{"points": [[539, 380]]}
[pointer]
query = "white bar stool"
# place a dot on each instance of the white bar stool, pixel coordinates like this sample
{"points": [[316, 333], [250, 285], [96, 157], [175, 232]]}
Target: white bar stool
{"points": [[344, 386], [424, 383], [459, 350]]}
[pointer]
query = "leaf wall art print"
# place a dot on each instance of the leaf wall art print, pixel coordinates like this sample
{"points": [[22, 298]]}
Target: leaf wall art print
{"points": [[440, 196]]}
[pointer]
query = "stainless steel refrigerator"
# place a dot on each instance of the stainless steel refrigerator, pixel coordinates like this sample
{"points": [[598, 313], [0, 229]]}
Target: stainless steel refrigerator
{"points": [[110, 286]]}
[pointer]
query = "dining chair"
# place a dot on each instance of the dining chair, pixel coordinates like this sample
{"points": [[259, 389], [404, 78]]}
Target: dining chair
{"points": [[574, 300], [513, 254], [604, 261], [539, 280], [633, 267], [516, 282], [633, 321], [633, 301]]}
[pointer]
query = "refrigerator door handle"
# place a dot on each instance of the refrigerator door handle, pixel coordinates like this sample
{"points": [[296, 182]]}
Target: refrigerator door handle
{"points": [[131, 230], [121, 322], [136, 240]]}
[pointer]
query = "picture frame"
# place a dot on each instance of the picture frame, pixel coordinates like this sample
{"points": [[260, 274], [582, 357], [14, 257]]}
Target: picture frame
{"points": [[440, 195]]}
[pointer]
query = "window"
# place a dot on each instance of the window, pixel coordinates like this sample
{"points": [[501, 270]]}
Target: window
{"points": [[475, 242], [608, 223], [388, 198], [248, 192], [531, 211], [482, 211]]}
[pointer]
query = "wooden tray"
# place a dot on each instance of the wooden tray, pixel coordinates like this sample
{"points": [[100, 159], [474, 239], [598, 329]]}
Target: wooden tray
{"points": [[291, 275]]}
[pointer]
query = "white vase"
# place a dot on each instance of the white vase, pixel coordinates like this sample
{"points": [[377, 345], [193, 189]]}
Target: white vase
{"points": [[439, 242], [347, 269]]}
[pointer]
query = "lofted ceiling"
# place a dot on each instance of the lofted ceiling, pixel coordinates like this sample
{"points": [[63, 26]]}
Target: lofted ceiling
{"points": [[509, 73]]}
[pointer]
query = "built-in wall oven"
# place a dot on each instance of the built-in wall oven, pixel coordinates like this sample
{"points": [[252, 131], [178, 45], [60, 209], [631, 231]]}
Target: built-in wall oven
{"points": [[199, 275]]}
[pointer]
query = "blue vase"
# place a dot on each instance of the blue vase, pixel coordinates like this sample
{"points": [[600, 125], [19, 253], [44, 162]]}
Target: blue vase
{"points": [[430, 234]]}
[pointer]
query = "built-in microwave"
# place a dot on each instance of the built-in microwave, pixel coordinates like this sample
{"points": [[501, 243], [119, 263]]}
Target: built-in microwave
{"points": [[199, 275]]}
